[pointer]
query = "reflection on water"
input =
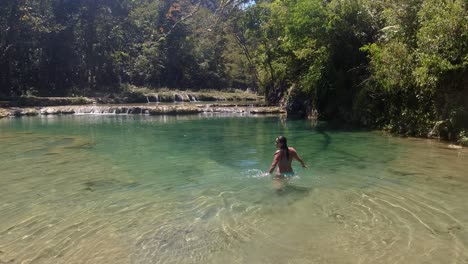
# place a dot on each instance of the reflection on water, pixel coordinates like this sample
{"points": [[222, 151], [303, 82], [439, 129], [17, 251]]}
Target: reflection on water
{"points": [[106, 189]]}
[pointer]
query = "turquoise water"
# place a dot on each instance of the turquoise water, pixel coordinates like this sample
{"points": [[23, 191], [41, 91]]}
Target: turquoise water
{"points": [[192, 189]]}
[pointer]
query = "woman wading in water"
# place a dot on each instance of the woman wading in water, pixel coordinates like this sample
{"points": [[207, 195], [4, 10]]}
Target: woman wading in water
{"points": [[283, 159]]}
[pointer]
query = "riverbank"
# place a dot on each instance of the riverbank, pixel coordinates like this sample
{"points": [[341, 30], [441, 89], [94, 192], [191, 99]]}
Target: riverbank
{"points": [[164, 103], [136, 96]]}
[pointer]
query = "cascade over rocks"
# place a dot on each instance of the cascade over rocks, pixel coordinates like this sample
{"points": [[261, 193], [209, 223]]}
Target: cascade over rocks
{"points": [[141, 109]]}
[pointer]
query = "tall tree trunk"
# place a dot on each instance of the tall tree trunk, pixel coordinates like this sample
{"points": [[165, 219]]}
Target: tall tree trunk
{"points": [[7, 49], [90, 41]]}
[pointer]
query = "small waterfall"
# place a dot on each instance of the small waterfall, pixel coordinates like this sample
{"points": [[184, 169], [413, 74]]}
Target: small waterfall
{"points": [[153, 98], [157, 109], [192, 98]]}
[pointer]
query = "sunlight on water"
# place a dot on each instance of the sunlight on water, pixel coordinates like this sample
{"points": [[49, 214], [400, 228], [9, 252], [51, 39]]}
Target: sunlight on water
{"points": [[193, 189]]}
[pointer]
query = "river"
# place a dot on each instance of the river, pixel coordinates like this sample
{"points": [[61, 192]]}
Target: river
{"points": [[192, 189]]}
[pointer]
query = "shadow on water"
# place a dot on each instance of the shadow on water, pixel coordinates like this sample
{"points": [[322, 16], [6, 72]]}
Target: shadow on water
{"points": [[108, 184], [357, 161], [293, 190], [279, 199], [327, 139]]}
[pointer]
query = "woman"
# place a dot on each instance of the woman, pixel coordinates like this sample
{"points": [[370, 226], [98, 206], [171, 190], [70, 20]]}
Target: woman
{"points": [[283, 159]]}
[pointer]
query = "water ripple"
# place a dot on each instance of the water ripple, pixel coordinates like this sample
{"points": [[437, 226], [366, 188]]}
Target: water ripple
{"points": [[114, 198]]}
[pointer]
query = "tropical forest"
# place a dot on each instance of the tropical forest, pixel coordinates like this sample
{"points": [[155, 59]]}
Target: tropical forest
{"points": [[233, 131], [397, 65]]}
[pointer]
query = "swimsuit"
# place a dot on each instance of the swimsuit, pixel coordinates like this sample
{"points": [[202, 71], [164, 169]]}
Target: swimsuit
{"points": [[288, 174]]}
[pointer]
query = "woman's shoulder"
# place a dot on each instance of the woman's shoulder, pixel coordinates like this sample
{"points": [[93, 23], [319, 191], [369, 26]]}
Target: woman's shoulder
{"points": [[292, 149]]}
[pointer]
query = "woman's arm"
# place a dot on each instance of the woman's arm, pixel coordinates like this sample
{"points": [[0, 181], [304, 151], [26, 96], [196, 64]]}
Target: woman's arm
{"points": [[275, 161], [296, 156]]}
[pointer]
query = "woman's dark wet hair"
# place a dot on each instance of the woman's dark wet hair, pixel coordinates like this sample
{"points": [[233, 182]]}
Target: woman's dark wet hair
{"points": [[284, 145]]}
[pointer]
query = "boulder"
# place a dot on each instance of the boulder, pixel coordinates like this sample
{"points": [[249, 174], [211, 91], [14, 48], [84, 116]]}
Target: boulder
{"points": [[23, 112], [4, 113], [442, 130], [296, 103]]}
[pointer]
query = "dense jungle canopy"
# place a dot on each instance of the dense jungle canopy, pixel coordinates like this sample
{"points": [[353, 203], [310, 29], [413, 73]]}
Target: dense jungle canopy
{"points": [[400, 64]]}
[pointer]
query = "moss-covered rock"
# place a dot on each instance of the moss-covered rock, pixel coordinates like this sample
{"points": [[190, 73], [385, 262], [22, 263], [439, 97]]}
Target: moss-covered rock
{"points": [[297, 103], [24, 112], [443, 130], [25, 101]]}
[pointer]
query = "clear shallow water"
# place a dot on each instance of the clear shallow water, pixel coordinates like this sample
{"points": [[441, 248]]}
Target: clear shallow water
{"points": [[189, 189]]}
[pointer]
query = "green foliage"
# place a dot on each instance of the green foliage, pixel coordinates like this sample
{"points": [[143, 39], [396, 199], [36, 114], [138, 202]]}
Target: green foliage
{"points": [[400, 20], [463, 138], [134, 96], [419, 63], [441, 39], [288, 44], [23, 101], [87, 47], [397, 64], [391, 65]]}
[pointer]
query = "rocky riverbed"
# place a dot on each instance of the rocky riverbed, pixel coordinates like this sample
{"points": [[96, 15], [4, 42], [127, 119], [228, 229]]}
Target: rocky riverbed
{"points": [[143, 109]]}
